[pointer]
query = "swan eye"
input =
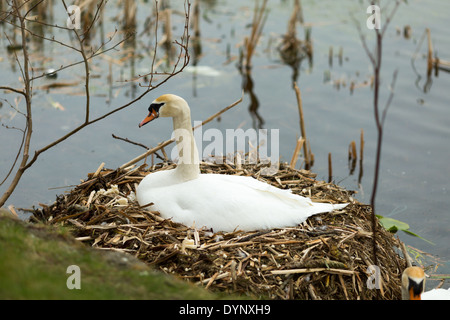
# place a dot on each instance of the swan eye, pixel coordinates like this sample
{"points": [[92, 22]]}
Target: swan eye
{"points": [[155, 107]]}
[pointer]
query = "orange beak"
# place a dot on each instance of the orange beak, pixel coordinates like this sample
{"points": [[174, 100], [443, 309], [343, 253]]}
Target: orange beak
{"points": [[153, 114]]}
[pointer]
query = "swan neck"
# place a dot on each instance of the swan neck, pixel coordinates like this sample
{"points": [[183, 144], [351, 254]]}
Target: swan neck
{"points": [[188, 161]]}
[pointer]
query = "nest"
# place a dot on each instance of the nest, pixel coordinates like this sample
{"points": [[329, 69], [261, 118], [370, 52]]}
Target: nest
{"points": [[326, 257]]}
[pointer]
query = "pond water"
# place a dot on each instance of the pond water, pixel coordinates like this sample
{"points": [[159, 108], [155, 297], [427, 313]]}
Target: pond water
{"points": [[414, 180]]}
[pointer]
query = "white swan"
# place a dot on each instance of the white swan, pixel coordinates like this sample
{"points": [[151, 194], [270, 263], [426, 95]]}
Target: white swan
{"points": [[413, 285], [220, 202]]}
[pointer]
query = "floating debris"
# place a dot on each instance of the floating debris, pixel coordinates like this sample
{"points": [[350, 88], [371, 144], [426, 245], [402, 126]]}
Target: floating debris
{"points": [[51, 73], [203, 71]]}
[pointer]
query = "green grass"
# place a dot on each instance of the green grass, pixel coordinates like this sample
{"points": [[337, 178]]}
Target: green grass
{"points": [[34, 261]]}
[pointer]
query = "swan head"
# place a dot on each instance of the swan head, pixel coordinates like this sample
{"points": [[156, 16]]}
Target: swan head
{"points": [[413, 283], [167, 105]]}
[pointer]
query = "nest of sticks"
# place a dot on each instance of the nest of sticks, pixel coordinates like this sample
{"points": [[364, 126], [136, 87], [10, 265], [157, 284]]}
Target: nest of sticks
{"points": [[326, 257]]}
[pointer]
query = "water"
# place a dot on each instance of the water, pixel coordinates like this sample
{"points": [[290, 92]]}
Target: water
{"points": [[414, 178]]}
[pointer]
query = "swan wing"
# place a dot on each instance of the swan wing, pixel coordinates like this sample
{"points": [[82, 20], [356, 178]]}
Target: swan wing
{"points": [[436, 294], [224, 203]]}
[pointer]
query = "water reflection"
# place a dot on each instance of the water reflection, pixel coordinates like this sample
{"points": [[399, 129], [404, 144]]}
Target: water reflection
{"points": [[89, 16], [244, 65], [434, 63], [129, 27], [248, 87], [293, 50], [196, 43]]}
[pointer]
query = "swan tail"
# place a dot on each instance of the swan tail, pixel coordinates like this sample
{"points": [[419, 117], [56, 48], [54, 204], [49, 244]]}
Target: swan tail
{"points": [[339, 206], [327, 207]]}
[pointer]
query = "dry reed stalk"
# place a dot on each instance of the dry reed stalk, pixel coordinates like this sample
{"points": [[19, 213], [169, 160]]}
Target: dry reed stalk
{"points": [[12, 209], [330, 56], [298, 147], [361, 145], [258, 22], [330, 168], [196, 19], [434, 62], [430, 53], [311, 155], [437, 63], [352, 154], [306, 151], [441, 64], [130, 8], [311, 270], [100, 167], [295, 16], [361, 156], [88, 10], [168, 27]]}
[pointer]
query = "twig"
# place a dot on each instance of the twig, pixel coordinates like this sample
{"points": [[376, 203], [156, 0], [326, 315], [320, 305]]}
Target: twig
{"points": [[220, 112], [312, 270], [137, 144], [129, 141]]}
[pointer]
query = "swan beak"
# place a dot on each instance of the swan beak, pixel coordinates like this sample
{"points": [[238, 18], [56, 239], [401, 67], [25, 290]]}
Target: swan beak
{"points": [[153, 114], [415, 291], [413, 295]]}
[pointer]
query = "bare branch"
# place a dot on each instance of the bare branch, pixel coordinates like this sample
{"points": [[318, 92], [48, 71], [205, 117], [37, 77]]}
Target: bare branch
{"points": [[94, 19], [25, 145], [391, 95], [376, 60], [363, 39], [43, 37], [156, 44], [389, 17], [17, 58], [95, 54], [25, 69], [13, 90], [89, 122]]}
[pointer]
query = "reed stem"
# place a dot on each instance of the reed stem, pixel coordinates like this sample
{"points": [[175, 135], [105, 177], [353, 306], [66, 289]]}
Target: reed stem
{"points": [[302, 126]]}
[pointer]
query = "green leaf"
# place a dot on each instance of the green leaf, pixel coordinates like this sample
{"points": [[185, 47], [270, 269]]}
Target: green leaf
{"points": [[393, 225]]}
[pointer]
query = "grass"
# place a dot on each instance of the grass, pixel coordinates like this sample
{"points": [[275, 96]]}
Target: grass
{"points": [[34, 261]]}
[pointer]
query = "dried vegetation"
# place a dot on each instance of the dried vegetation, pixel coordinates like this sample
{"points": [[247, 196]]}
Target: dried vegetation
{"points": [[327, 257]]}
